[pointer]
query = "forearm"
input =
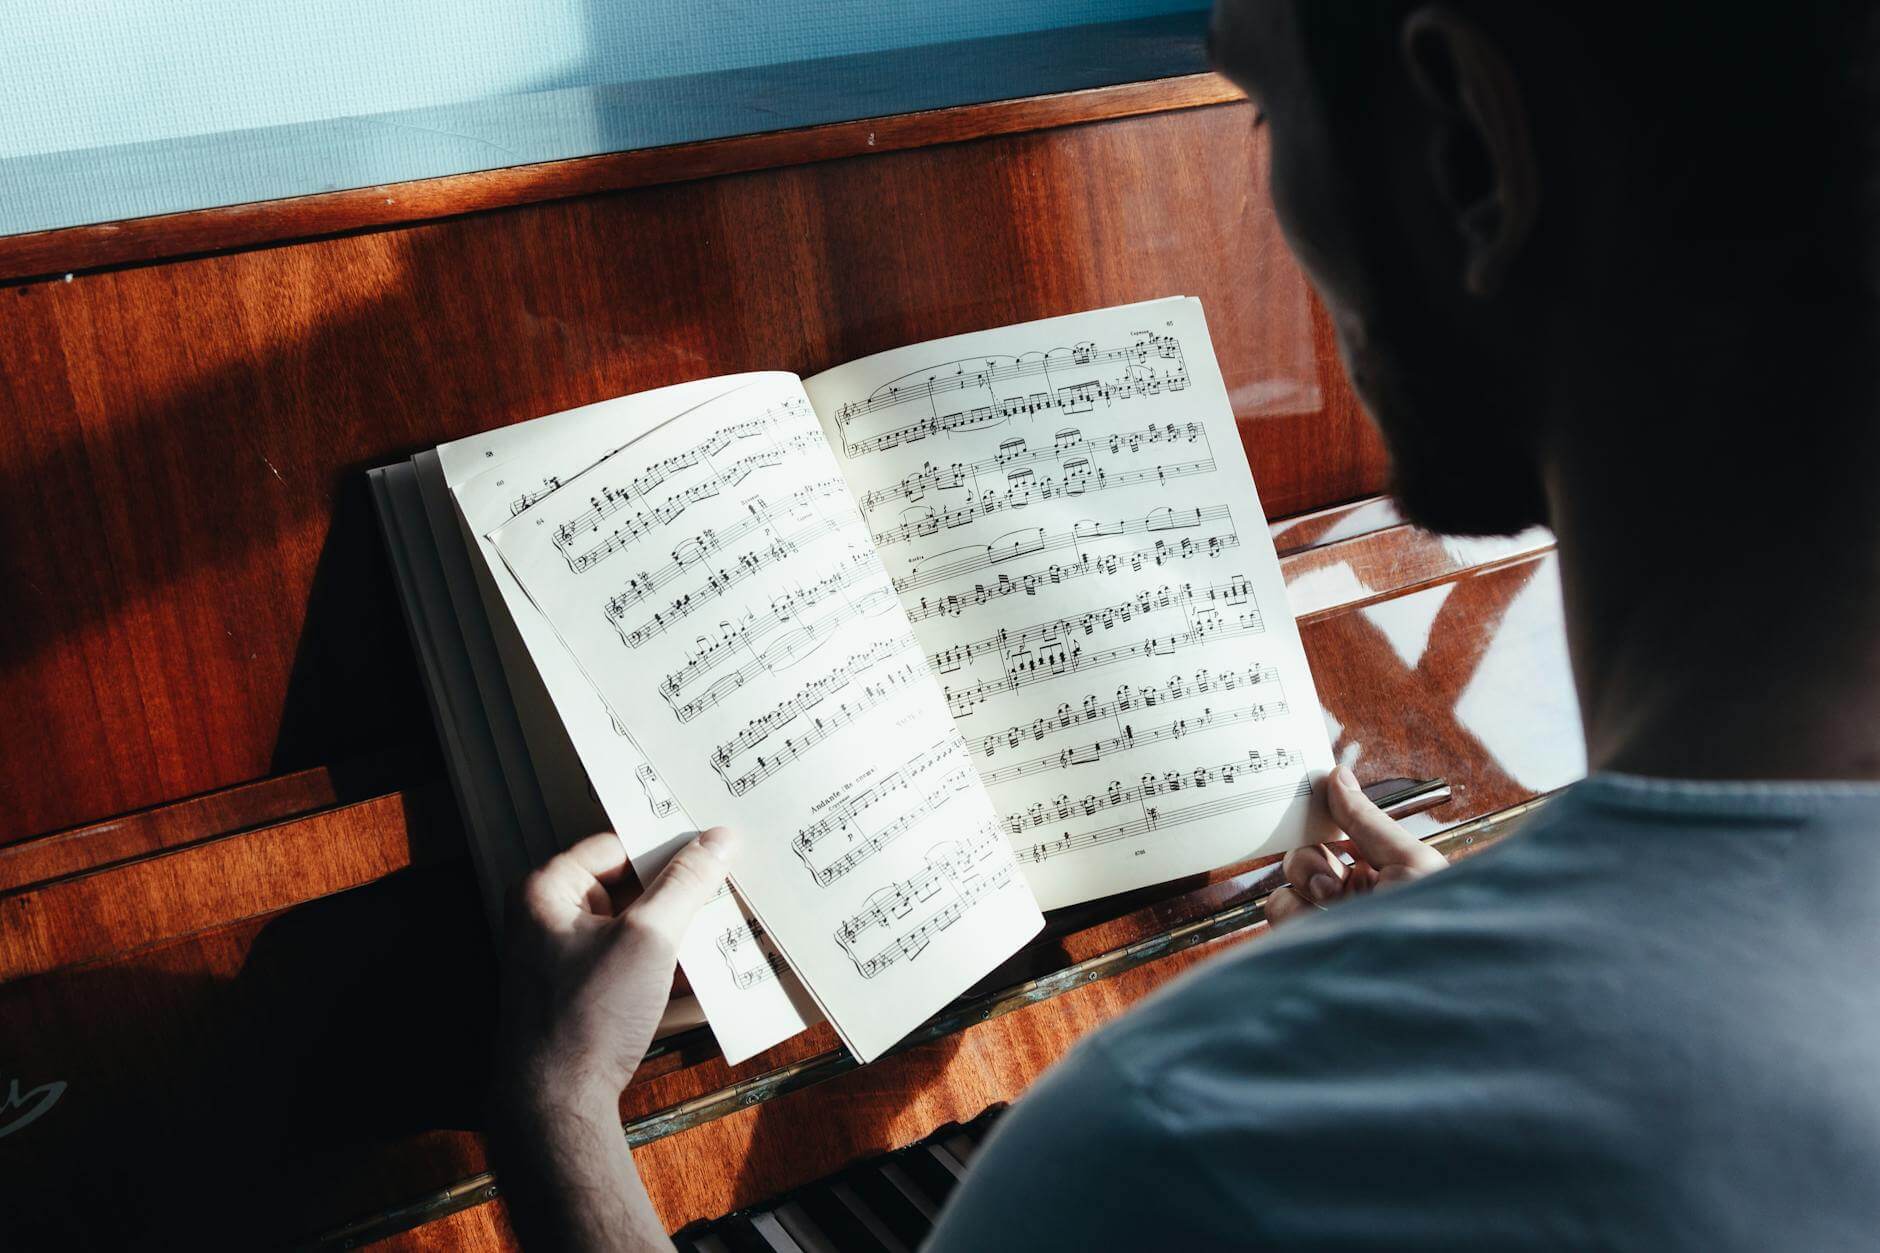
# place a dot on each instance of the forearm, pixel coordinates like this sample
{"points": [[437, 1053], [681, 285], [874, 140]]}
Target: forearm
{"points": [[570, 1181]]}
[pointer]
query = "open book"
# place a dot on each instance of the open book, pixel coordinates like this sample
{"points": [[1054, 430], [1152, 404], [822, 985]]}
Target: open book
{"points": [[954, 633]]}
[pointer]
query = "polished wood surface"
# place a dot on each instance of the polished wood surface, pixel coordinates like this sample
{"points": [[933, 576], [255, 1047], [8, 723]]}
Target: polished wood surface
{"points": [[268, 988], [81, 248]]}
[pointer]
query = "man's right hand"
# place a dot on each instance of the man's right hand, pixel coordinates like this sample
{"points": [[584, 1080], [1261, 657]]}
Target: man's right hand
{"points": [[1382, 853]]}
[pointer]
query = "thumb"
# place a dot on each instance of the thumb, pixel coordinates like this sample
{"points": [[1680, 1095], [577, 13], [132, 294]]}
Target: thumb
{"points": [[678, 892], [1377, 837]]}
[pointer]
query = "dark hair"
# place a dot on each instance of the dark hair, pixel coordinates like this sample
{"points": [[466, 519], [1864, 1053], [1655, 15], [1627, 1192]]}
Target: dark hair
{"points": [[1749, 130]]}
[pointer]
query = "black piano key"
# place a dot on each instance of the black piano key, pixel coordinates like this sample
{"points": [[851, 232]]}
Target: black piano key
{"points": [[933, 1179], [740, 1235], [945, 1157], [866, 1215], [959, 1146], [773, 1234], [889, 1204], [843, 1228], [806, 1233], [905, 1185]]}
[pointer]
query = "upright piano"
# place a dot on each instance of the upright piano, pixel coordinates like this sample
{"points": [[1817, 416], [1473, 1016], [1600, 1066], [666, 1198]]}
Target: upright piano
{"points": [[246, 978]]}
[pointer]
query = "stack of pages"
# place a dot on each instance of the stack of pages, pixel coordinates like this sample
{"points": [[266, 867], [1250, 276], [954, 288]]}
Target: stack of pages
{"points": [[954, 634]]}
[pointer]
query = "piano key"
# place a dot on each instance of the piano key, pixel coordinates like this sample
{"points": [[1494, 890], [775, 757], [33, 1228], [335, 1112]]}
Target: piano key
{"points": [[865, 1214], [935, 1181], [805, 1232], [888, 1203], [940, 1154], [773, 1233], [704, 1242], [905, 1185], [740, 1235], [960, 1147], [840, 1224]]}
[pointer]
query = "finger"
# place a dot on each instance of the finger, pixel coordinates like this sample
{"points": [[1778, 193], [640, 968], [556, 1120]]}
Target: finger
{"points": [[1375, 835], [574, 881], [1284, 904], [1315, 871], [675, 896], [603, 855]]}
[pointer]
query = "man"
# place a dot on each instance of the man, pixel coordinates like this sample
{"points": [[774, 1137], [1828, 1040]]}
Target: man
{"points": [[1606, 269]]}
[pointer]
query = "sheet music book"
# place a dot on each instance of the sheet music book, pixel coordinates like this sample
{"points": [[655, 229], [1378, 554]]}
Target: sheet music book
{"points": [[955, 634]]}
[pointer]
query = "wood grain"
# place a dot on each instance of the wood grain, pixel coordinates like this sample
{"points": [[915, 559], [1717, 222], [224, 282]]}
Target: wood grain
{"points": [[269, 989], [201, 597], [40, 254]]}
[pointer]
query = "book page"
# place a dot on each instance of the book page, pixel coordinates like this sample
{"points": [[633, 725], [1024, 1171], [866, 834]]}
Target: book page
{"points": [[716, 586], [592, 772], [1066, 512]]}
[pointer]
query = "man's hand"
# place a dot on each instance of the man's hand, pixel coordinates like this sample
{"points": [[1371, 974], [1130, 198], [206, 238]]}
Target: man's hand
{"points": [[1382, 853], [585, 981], [584, 984]]}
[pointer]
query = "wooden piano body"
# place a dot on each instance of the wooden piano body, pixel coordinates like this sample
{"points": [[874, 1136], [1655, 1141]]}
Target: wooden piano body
{"points": [[247, 982]]}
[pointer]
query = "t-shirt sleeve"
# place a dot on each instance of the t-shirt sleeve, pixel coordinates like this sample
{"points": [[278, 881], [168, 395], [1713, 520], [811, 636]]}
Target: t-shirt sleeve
{"points": [[1085, 1160]]}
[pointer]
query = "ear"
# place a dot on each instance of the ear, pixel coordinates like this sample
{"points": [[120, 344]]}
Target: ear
{"points": [[1484, 158]]}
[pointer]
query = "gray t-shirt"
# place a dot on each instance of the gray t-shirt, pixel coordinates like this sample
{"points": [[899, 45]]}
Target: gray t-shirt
{"points": [[1649, 1020]]}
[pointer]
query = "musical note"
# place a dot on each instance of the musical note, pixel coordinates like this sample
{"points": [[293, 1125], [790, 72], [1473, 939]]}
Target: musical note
{"points": [[749, 954], [1150, 366], [957, 876], [758, 731], [958, 562], [778, 655], [1024, 487], [843, 818], [1015, 452], [1069, 716], [1049, 650], [857, 565], [658, 516], [658, 798], [1128, 739], [1063, 808], [1154, 819], [1031, 583]]}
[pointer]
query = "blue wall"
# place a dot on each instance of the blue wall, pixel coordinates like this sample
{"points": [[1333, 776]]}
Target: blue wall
{"points": [[89, 73]]}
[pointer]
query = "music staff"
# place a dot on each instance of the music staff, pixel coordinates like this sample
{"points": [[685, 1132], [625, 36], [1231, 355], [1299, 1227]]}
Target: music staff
{"points": [[1070, 716], [955, 563], [1135, 561], [653, 517], [1048, 650], [658, 797], [1151, 365], [1064, 808], [851, 569], [1016, 452], [758, 731], [1129, 738], [843, 818], [777, 656], [749, 954], [695, 549], [1023, 487], [1154, 819], [916, 909], [1234, 593]]}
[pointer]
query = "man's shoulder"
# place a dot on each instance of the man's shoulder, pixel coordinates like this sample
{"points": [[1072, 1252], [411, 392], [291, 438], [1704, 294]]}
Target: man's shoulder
{"points": [[1380, 959]]}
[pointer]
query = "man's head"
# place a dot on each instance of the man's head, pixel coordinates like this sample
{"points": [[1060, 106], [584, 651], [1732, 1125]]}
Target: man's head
{"points": [[1508, 203]]}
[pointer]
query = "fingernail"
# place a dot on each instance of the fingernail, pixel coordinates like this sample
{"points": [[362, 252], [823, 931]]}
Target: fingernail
{"points": [[1323, 888], [1345, 778], [720, 842]]}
